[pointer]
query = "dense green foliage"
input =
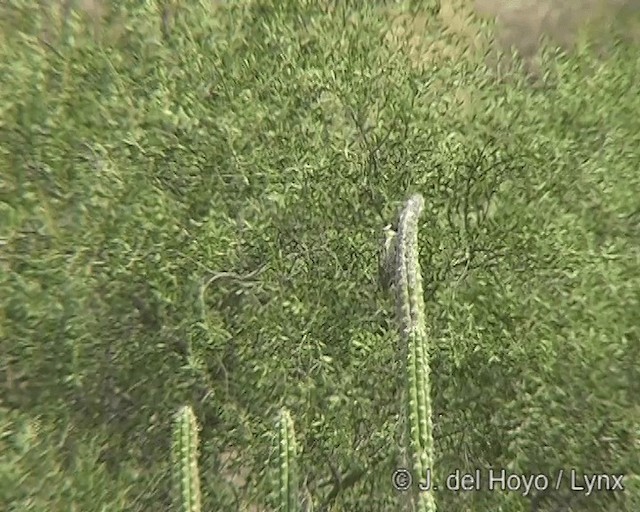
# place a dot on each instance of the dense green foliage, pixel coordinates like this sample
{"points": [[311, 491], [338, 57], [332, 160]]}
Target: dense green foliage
{"points": [[190, 213]]}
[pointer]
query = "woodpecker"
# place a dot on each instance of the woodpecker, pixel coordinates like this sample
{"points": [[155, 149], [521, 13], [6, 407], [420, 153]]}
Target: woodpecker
{"points": [[387, 258]]}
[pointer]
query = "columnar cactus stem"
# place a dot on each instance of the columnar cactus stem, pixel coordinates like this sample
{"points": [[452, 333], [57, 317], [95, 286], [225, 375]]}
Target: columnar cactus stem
{"points": [[288, 490], [184, 464], [407, 286]]}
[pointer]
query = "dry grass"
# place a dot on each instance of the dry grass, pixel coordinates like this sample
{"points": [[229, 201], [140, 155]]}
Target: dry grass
{"points": [[523, 22], [520, 26]]}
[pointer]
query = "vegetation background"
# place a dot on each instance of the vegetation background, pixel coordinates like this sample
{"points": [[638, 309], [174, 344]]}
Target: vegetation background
{"points": [[191, 196]]}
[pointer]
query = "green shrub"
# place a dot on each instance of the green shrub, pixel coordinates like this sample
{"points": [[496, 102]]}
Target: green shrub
{"points": [[191, 216]]}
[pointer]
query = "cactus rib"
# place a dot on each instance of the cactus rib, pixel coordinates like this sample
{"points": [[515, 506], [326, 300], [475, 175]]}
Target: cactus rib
{"points": [[184, 451], [288, 498]]}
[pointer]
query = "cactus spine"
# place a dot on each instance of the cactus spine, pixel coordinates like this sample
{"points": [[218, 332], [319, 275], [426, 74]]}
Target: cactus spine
{"points": [[184, 464], [287, 487], [402, 255]]}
